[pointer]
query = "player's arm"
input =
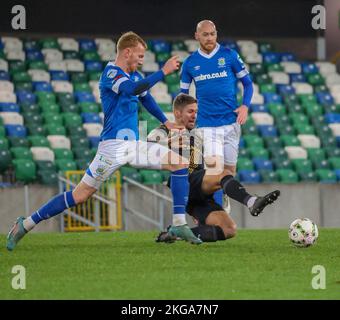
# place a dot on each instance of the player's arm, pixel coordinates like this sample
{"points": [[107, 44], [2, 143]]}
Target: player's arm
{"points": [[135, 88], [243, 75], [150, 104], [185, 78]]}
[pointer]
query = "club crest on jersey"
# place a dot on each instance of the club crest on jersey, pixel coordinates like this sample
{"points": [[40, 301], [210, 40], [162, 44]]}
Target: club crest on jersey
{"points": [[111, 73], [221, 62]]}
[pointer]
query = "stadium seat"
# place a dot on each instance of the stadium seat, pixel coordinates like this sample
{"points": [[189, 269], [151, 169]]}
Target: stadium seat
{"points": [[302, 165], [62, 153], [287, 176], [18, 142], [262, 164], [59, 141], [54, 129], [258, 152], [326, 176], [31, 118], [93, 129], [5, 160], [42, 154], [290, 140], [25, 170], [4, 145], [249, 177], [282, 163], [90, 118], [334, 162], [48, 177], [151, 176], [65, 165], [94, 142], [309, 141], [12, 118], [131, 173], [307, 176], [253, 141], [13, 130], [244, 164], [268, 176], [82, 153]]}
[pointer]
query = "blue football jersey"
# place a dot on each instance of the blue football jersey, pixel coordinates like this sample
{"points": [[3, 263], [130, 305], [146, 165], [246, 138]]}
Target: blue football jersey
{"points": [[215, 76], [120, 109]]}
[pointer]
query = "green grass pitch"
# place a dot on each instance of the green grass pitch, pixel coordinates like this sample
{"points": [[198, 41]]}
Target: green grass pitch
{"points": [[257, 264]]}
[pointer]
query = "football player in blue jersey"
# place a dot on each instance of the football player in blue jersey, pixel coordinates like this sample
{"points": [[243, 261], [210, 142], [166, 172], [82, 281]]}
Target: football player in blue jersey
{"points": [[121, 86], [215, 71]]}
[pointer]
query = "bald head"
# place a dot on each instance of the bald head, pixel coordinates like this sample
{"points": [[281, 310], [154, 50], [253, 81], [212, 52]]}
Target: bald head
{"points": [[206, 35], [205, 24]]}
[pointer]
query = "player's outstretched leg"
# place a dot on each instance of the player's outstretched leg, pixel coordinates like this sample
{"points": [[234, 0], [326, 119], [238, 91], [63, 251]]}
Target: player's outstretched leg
{"points": [[16, 233], [180, 188], [235, 190], [23, 225], [261, 202]]}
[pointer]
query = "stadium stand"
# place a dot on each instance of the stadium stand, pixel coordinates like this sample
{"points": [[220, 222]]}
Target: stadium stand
{"points": [[51, 119]]}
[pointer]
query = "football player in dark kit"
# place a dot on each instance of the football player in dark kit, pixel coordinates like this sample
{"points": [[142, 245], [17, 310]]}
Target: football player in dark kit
{"points": [[204, 204]]}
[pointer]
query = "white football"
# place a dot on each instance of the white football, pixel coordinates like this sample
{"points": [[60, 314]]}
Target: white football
{"points": [[303, 232]]}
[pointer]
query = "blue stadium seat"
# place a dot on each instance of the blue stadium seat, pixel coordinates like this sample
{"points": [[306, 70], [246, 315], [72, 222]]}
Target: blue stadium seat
{"points": [[42, 86], [263, 164], [285, 89], [297, 77], [267, 130], [309, 68], [87, 45], [90, 117], [34, 55], [9, 107], [337, 141], [84, 97], [249, 176], [93, 66], [271, 57], [94, 141], [272, 97], [288, 56], [337, 172], [59, 75], [25, 96], [161, 46], [332, 117], [4, 75], [16, 130], [258, 108], [230, 44], [324, 98], [242, 143]]}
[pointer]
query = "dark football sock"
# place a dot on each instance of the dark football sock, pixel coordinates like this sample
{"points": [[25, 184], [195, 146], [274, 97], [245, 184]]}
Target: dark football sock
{"points": [[235, 190], [209, 233]]}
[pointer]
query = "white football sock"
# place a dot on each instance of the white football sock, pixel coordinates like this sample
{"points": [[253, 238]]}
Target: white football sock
{"points": [[251, 202], [29, 224], [179, 219]]}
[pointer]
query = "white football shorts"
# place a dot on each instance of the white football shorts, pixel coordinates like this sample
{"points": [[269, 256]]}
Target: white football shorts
{"points": [[112, 154]]}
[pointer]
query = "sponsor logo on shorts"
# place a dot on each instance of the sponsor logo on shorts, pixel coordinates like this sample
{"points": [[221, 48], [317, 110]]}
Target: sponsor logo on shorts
{"points": [[102, 159]]}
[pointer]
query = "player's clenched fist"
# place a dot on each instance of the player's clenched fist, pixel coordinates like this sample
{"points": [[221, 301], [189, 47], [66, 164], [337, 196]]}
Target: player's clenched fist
{"points": [[171, 65]]}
